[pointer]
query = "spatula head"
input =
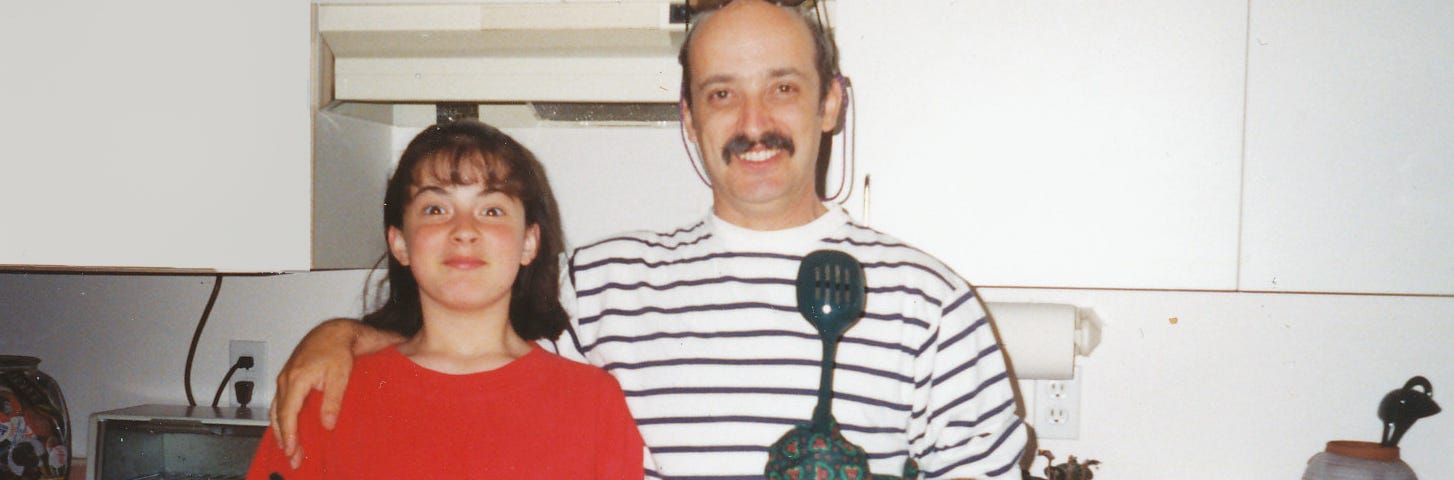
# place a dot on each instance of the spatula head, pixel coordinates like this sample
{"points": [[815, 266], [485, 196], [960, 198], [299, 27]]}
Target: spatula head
{"points": [[830, 291]]}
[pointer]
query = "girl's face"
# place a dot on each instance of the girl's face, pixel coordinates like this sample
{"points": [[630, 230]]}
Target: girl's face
{"points": [[464, 243]]}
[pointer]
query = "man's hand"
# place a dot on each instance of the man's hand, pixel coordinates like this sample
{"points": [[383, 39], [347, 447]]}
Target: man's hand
{"points": [[321, 361]]}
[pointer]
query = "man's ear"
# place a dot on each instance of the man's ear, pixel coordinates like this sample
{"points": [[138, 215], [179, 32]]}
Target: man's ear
{"points": [[531, 246], [397, 246], [834, 105], [687, 123]]}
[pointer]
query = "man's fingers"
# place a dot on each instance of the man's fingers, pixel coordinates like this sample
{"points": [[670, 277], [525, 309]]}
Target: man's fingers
{"points": [[282, 391], [288, 404], [333, 399], [321, 361], [273, 422], [296, 459]]}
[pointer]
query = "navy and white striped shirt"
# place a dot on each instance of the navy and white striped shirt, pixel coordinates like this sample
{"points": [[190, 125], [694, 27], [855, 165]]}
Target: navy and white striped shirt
{"points": [[700, 326]]}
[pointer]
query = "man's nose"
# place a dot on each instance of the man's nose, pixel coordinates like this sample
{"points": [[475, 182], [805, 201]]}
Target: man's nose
{"points": [[754, 120]]}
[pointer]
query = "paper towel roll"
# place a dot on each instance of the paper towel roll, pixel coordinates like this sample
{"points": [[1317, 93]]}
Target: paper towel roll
{"points": [[1039, 338]]}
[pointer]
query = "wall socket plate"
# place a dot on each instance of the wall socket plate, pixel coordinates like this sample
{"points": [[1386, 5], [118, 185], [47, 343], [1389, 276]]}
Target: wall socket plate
{"points": [[1057, 407], [258, 350]]}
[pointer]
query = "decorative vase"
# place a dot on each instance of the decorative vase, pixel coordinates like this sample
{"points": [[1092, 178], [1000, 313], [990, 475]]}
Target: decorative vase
{"points": [[35, 428], [1353, 460]]}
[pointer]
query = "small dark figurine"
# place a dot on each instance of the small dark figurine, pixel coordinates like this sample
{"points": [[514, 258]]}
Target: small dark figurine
{"points": [[1070, 470], [1402, 407]]}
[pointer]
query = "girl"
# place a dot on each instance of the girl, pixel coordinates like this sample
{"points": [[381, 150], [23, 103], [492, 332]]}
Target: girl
{"points": [[473, 241]]}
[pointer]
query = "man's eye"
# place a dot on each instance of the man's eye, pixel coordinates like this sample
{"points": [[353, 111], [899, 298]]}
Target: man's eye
{"points": [[786, 88], [494, 212], [719, 94], [433, 210]]}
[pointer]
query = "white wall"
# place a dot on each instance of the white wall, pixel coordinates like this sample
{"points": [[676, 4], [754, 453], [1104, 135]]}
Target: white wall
{"points": [[1250, 385], [1240, 386]]}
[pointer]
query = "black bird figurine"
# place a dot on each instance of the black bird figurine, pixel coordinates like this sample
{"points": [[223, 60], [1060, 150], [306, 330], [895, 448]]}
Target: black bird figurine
{"points": [[1402, 407]]}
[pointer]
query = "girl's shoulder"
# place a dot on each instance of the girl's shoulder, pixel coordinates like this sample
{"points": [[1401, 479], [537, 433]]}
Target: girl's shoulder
{"points": [[380, 362], [562, 369]]}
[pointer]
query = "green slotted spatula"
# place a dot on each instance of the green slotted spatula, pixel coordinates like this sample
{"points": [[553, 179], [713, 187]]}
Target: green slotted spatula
{"points": [[830, 289], [831, 297]]}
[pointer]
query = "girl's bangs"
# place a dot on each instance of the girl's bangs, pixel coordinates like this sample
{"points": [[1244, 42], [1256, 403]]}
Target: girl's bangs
{"points": [[467, 166]]}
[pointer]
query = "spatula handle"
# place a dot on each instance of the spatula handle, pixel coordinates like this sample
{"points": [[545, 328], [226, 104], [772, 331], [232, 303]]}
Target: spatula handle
{"points": [[823, 413]]}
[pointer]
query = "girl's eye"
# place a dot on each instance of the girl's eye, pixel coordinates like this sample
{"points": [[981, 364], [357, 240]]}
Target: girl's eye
{"points": [[494, 212], [433, 210]]}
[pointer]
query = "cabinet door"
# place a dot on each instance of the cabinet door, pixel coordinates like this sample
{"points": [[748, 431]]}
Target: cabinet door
{"points": [[155, 134], [1350, 157], [1079, 144]]}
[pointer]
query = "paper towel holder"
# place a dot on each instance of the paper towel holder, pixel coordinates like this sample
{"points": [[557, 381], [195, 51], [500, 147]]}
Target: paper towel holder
{"points": [[1087, 331], [1043, 339]]}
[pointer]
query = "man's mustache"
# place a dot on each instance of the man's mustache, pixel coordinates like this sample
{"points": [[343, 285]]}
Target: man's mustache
{"points": [[740, 143]]}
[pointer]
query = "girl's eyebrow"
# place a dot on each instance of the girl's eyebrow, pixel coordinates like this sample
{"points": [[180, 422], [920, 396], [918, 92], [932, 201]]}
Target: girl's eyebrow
{"points": [[437, 189], [422, 189]]}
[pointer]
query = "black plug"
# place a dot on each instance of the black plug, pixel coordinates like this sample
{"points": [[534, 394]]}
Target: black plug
{"points": [[244, 392], [243, 389], [245, 361]]}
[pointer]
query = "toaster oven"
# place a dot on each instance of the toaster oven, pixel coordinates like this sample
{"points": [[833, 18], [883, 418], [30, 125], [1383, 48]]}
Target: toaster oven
{"points": [[170, 442]]}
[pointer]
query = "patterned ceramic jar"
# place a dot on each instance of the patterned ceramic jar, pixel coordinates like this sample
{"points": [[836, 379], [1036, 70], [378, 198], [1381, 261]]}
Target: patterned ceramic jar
{"points": [[35, 429], [1351, 460]]}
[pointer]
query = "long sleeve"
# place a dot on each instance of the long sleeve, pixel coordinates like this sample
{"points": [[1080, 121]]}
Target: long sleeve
{"points": [[964, 423]]}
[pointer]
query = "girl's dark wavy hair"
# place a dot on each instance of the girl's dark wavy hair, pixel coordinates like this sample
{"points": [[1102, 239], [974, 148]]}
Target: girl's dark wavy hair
{"points": [[449, 152]]}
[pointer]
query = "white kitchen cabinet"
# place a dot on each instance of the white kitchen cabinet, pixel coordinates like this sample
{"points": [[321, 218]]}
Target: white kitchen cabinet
{"points": [[1082, 144], [1350, 159], [156, 134]]}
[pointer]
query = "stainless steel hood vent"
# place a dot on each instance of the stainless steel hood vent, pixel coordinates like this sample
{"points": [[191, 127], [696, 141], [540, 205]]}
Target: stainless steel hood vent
{"points": [[567, 62], [572, 114], [607, 113]]}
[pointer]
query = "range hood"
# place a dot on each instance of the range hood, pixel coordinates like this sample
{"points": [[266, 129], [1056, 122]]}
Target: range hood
{"points": [[571, 61]]}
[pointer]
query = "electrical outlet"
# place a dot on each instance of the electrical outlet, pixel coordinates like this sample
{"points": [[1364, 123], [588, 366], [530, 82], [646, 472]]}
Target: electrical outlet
{"points": [[257, 374], [1057, 407]]}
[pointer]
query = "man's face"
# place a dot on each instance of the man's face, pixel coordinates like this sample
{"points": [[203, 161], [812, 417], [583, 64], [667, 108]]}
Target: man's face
{"points": [[756, 114]]}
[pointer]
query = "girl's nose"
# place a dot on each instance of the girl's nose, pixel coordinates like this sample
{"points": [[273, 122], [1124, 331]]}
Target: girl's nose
{"points": [[465, 230]]}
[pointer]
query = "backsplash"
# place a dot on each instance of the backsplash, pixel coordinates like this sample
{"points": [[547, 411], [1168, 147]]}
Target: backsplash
{"points": [[1238, 385]]}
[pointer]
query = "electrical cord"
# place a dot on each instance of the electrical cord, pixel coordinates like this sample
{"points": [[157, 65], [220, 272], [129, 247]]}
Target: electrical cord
{"points": [[849, 139], [242, 362], [197, 335], [848, 131], [699, 170]]}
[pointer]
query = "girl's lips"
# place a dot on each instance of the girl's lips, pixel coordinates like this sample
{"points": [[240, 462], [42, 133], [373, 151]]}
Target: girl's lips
{"points": [[464, 263]]}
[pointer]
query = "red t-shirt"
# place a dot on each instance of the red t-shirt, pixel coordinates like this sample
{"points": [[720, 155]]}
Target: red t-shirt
{"points": [[540, 416]]}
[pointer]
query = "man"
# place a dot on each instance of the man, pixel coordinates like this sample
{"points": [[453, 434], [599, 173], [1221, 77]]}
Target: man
{"points": [[700, 325]]}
